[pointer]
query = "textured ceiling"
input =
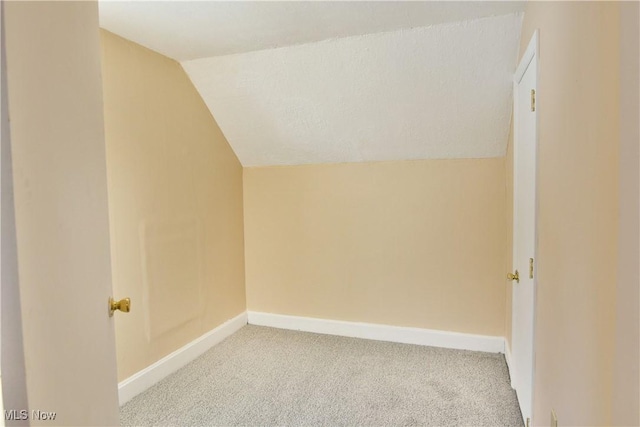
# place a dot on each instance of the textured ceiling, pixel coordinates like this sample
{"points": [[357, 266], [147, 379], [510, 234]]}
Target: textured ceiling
{"points": [[313, 82], [197, 29], [442, 91]]}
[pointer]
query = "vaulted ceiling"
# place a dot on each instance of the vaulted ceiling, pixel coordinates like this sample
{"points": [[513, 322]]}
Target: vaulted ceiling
{"points": [[321, 82]]}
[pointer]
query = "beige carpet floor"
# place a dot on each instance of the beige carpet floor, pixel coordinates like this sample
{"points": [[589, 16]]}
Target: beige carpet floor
{"points": [[269, 377]]}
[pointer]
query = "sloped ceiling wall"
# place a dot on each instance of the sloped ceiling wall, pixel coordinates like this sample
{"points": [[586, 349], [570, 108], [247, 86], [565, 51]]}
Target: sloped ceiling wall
{"points": [[313, 82], [442, 91]]}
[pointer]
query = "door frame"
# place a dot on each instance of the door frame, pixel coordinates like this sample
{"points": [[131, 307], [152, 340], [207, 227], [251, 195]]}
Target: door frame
{"points": [[532, 51]]}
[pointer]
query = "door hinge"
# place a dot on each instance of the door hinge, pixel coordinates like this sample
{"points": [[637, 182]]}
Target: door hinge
{"points": [[528, 421], [533, 100], [530, 268]]}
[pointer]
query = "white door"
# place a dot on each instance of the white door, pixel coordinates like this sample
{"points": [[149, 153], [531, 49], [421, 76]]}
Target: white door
{"points": [[61, 213], [524, 227]]}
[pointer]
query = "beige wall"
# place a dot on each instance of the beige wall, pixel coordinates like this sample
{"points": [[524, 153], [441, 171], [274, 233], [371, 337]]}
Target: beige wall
{"points": [[61, 213], [415, 243], [578, 98], [175, 206], [626, 393]]}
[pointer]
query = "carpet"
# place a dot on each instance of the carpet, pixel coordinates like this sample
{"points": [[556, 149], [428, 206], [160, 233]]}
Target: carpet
{"points": [[271, 377]]}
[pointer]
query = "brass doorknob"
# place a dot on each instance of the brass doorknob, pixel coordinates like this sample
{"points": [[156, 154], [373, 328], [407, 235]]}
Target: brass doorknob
{"points": [[123, 305], [515, 276]]}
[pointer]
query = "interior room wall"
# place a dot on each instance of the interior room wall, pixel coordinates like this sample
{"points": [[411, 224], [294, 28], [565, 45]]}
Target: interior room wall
{"points": [[61, 217], [175, 206], [406, 243], [14, 387], [578, 99], [626, 383]]}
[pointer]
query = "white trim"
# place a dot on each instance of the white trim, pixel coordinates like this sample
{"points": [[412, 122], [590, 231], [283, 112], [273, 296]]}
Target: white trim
{"points": [[142, 380], [507, 358], [400, 334], [531, 52]]}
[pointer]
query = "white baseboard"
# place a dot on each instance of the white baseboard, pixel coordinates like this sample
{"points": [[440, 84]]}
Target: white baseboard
{"points": [[406, 335], [140, 381]]}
